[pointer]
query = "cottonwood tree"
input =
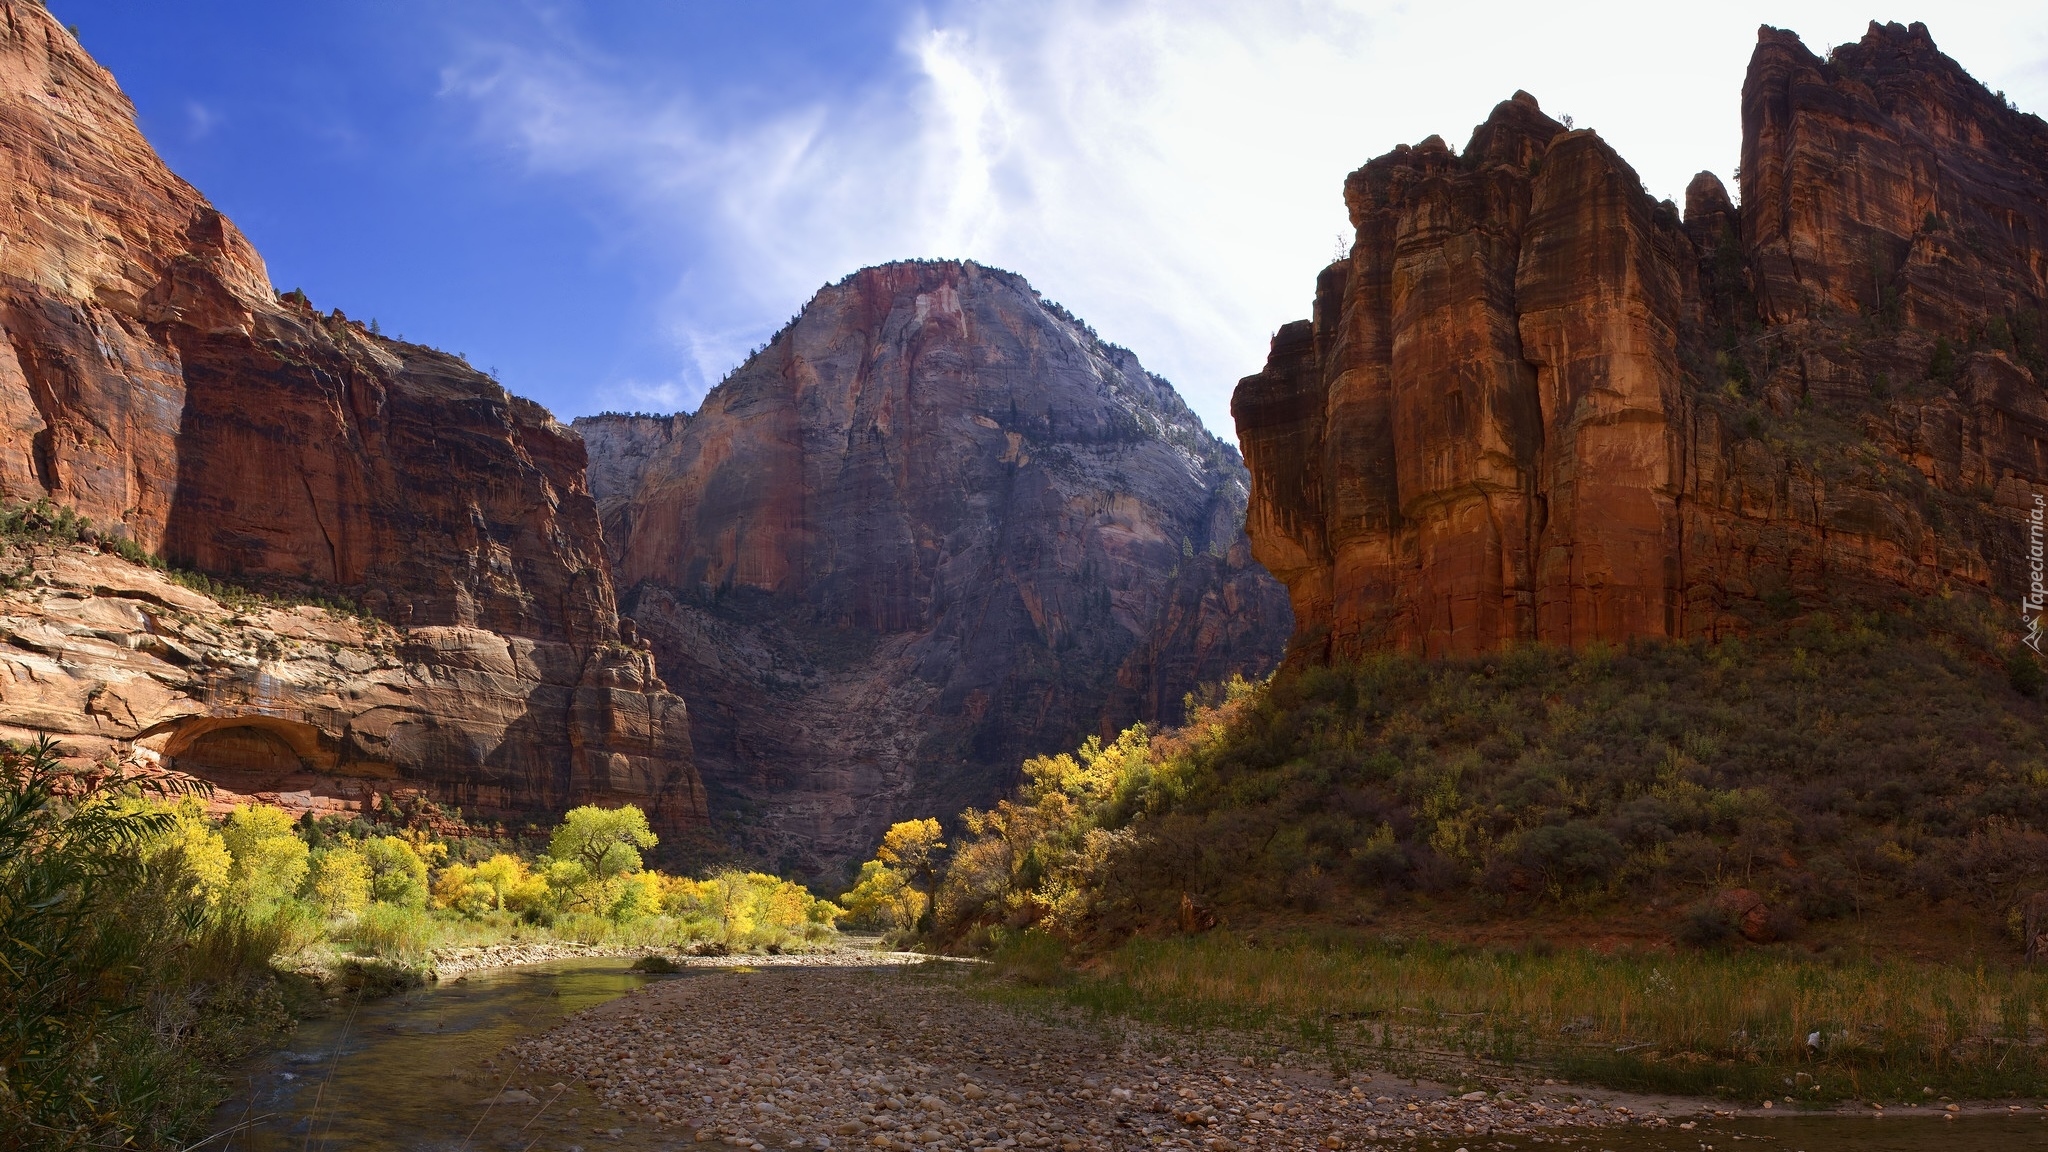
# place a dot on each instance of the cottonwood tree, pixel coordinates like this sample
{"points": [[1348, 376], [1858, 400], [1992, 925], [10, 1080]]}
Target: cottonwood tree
{"points": [[605, 841], [912, 848]]}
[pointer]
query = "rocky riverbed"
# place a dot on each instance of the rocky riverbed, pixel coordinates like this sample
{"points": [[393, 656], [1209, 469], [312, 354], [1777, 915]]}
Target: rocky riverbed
{"points": [[838, 1058], [856, 953]]}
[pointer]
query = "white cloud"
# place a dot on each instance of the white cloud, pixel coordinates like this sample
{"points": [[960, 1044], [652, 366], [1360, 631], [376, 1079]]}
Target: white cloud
{"points": [[1169, 169]]}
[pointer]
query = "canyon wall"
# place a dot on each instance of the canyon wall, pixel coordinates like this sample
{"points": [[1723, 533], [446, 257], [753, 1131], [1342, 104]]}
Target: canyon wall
{"points": [[152, 380], [1533, 404], [934, 527]]}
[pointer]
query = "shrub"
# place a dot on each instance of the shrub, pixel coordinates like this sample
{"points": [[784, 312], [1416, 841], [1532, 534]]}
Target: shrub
{"points": [[1705, 925], [2024, 673], [502, 883], [392, 932], [745, 910], [122, 991], [1571, 857]]}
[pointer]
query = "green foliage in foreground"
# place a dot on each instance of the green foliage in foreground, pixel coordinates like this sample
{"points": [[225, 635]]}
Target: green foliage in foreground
{"points": [[1839, 768], [120, 988], [1751, 1026], [137, 936]]}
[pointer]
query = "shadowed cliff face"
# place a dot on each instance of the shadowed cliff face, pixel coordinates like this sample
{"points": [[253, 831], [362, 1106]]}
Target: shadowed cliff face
{"points": [[151, 379], [1534, 404], [934, 527]]}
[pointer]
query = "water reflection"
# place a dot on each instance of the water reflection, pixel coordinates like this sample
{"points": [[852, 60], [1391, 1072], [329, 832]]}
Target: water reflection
{"points": [[425, 1070]]}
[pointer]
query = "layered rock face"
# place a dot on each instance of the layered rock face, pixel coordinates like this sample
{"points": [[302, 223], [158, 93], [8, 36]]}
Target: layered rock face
{"points": [[302, 707], [934, 527], [152, 380], [1535, 405]]}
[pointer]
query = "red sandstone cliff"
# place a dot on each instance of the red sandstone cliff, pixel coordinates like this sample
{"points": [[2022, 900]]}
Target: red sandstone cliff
{"points": [[1533, 404], [152, 380], [934, 527]]}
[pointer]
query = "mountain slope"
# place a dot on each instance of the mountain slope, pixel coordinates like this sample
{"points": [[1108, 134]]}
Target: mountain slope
{"points": [[934, 526], [151, 380]]}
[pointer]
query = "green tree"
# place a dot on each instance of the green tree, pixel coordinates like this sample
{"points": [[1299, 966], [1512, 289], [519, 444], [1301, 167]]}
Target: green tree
{"points": [[605, 841], [397, 874]]}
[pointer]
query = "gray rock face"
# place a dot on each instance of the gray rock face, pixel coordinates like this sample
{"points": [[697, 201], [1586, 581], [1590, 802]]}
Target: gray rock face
{"points": [[934, 527]]}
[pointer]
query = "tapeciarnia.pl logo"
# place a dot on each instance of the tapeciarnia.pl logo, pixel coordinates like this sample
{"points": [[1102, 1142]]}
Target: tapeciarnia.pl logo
{"points": [[2037, 593]]}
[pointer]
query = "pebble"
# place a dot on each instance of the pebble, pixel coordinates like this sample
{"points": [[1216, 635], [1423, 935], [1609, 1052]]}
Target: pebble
{"points": [[833, 1058]]}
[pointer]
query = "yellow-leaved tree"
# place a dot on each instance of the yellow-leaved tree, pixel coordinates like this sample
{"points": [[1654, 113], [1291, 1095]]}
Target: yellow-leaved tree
{"points": [[1037, 859], [196, 846], [895, 888], [341, 880], [883, 898], [269, 859], [593, 850]]}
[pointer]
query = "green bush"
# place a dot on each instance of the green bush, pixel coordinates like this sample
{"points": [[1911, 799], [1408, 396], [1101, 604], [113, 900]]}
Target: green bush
{"points": [[1704, 925], [124, 991], [2024, 673], [392, 932]]}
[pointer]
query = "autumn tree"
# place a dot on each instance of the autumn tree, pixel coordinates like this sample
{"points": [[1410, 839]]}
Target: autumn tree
{"points": [[605, 841], [911, 848]]}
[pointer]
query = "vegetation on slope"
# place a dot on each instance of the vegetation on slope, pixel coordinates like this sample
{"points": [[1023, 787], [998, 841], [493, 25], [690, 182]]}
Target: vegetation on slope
{"points": [[47, 522], [1848, 802], [1842, 769]]}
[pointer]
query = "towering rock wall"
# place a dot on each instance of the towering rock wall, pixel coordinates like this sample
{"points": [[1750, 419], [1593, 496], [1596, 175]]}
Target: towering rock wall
{"points": [[152, 380], [934, 527], [1535, 405]]}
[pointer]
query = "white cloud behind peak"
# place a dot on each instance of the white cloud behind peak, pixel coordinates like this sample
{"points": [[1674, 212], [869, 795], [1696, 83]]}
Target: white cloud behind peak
{"points": [[1170, 171]]}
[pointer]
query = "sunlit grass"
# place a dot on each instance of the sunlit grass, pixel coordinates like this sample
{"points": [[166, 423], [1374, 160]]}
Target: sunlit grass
{"points": [[1731, 1024]]}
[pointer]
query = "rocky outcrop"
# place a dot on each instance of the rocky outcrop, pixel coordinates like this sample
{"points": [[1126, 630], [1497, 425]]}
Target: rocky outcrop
{"points": [[1536, 405], [307, 707], [934, 527], [152, 380]]}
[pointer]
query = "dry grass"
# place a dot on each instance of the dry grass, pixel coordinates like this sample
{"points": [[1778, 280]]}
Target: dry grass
{"points": [[1704, 1023]]}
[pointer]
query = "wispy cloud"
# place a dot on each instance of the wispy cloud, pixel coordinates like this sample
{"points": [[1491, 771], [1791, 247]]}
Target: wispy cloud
{"points": [[1170, 169], [199, 120]]}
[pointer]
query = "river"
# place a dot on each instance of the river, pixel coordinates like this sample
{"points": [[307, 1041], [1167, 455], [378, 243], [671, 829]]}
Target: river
{"points": [[425, 1070]]}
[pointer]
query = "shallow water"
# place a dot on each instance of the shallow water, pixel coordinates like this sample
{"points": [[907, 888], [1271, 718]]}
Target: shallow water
{"points": [[417, 1072]]}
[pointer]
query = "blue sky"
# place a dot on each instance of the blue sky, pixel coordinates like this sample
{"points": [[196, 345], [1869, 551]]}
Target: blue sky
{"points": [[611, 203]]}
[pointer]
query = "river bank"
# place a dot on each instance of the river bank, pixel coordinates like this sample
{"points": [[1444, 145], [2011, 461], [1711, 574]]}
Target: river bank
{"points": [[837, 1058], [843, 1051]]}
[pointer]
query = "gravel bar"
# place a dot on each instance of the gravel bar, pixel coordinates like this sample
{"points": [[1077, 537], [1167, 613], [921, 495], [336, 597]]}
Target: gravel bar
{"points": [[837, 1058]]}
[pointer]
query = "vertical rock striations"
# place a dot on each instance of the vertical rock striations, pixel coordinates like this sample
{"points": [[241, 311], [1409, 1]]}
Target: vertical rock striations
{"points": [[151, 379], [934, 527], [1536, 405]]}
